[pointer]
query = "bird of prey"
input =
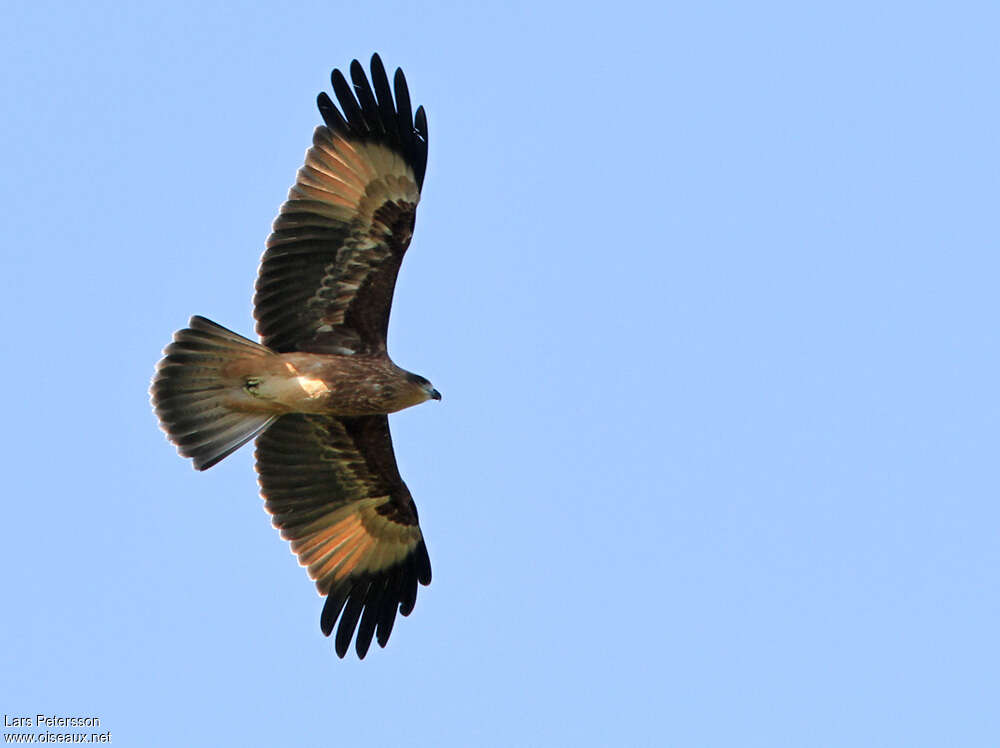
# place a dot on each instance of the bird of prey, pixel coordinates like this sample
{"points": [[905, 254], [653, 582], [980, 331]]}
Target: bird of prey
{"points": [[316, 390]]}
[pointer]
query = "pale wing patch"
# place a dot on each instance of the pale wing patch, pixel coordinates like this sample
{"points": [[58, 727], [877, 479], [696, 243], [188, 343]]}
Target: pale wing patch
{"points": [[348, 171], [348, 182], [354, 539]]}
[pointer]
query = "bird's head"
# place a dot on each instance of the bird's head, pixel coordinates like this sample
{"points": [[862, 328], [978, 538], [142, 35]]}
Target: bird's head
{"points": [[422, 390]]}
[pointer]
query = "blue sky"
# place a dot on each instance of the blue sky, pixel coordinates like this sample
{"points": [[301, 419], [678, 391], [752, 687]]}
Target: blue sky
{"points": [[710, 291]]}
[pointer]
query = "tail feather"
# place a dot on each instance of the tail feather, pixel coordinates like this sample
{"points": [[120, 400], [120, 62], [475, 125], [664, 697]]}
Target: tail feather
{"points": [[192, 393]]}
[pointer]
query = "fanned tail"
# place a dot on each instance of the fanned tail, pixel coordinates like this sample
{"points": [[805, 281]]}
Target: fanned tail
{"points": [[192, 392]]}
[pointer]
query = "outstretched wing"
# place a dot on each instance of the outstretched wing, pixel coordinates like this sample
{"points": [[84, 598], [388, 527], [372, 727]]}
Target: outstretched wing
{"points": [[334, 491], [327, 277]]}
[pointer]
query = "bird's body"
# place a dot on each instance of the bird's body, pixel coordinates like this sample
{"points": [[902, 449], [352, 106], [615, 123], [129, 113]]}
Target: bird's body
{"points": [[316, 389], [322, 383]]}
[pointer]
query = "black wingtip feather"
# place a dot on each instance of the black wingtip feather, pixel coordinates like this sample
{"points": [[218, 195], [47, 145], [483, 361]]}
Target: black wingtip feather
{"points": [[423, 564], [386, 107], [388, 610], [420, 123], [348, 104], [367, 111], [331, 116], [366, 629], [363, 90], [409, 597], [331, 610], [403, 108], [349, 621]]}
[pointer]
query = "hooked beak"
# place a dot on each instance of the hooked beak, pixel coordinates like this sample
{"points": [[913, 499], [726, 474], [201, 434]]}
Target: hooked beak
{"points": [[435, 395]]}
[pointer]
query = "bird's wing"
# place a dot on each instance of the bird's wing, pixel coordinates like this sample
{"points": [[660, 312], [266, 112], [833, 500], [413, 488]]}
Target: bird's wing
{"points": [[334, 491], [327, 277]]}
